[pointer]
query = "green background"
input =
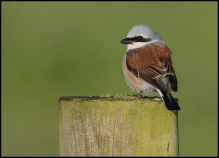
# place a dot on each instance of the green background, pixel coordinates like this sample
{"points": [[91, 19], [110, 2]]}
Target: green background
{"points": [[55, 49]]}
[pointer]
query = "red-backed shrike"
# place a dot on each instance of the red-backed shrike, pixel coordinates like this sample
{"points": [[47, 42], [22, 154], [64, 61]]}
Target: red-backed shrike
{"points": [[147, 65]]}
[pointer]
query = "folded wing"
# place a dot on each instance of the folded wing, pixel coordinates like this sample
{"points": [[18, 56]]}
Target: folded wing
{"points": [[151, 63]]}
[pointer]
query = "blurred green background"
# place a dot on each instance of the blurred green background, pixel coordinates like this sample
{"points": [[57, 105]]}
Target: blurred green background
{"points": [[55, 49]]}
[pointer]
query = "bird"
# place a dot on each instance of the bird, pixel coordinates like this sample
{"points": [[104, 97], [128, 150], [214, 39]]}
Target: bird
{"points": [[147, 65]]}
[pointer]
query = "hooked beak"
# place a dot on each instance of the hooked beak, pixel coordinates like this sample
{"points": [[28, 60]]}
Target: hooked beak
{"points": [[126, 41]]}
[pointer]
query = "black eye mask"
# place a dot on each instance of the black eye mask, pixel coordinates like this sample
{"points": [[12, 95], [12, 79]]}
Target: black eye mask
{"points": [[139, 39]]}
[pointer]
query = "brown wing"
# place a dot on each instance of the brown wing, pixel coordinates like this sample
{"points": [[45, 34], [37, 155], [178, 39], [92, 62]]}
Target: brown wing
{"points": [[151, 63]]}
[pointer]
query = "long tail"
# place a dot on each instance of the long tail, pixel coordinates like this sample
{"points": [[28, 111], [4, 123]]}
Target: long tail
{"points": [[170, 103]]}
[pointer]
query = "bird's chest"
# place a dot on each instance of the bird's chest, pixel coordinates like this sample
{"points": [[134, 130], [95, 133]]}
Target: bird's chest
{"points": [[136, 82]]}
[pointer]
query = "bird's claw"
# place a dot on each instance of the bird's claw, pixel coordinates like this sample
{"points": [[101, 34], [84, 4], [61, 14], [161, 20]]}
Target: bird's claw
{"points": [[139, 96]]}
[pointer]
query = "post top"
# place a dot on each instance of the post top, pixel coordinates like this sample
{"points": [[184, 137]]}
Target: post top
{"points": [[105, 96]]}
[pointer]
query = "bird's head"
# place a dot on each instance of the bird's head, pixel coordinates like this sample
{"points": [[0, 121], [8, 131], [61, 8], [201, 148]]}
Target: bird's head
{"points": [[141, 35]]}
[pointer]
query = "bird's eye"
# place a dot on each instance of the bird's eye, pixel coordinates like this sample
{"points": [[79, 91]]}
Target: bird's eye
{"points": [[139, 38]]}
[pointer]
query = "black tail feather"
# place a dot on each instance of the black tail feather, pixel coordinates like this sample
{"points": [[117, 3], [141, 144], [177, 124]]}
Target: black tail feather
{"points": [[170, 103]]}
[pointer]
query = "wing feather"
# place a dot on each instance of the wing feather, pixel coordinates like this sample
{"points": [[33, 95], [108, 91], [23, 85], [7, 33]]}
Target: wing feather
{"points": [[151, 64]]}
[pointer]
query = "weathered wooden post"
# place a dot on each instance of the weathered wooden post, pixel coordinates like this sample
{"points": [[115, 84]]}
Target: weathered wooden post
{"points": [[117, 126]]}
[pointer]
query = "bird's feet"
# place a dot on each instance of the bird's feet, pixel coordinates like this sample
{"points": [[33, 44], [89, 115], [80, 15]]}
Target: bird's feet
{"points": [[139, 95]]}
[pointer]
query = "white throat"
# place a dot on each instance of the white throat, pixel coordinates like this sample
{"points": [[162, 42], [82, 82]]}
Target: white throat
{"points": [[141, 44], [136, 45]]}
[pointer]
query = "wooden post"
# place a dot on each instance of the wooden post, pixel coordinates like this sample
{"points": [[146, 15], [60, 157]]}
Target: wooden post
{"points": [[117, 126]]}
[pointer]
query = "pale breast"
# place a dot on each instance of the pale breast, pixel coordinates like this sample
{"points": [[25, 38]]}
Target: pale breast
{"points": [[135, 82]]}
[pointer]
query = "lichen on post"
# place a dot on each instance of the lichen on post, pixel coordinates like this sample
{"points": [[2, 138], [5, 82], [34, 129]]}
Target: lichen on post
{"points": [[118, 125]]}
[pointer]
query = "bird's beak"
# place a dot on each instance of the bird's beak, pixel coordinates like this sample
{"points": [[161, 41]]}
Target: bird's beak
{"points": [[126, 41]]}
